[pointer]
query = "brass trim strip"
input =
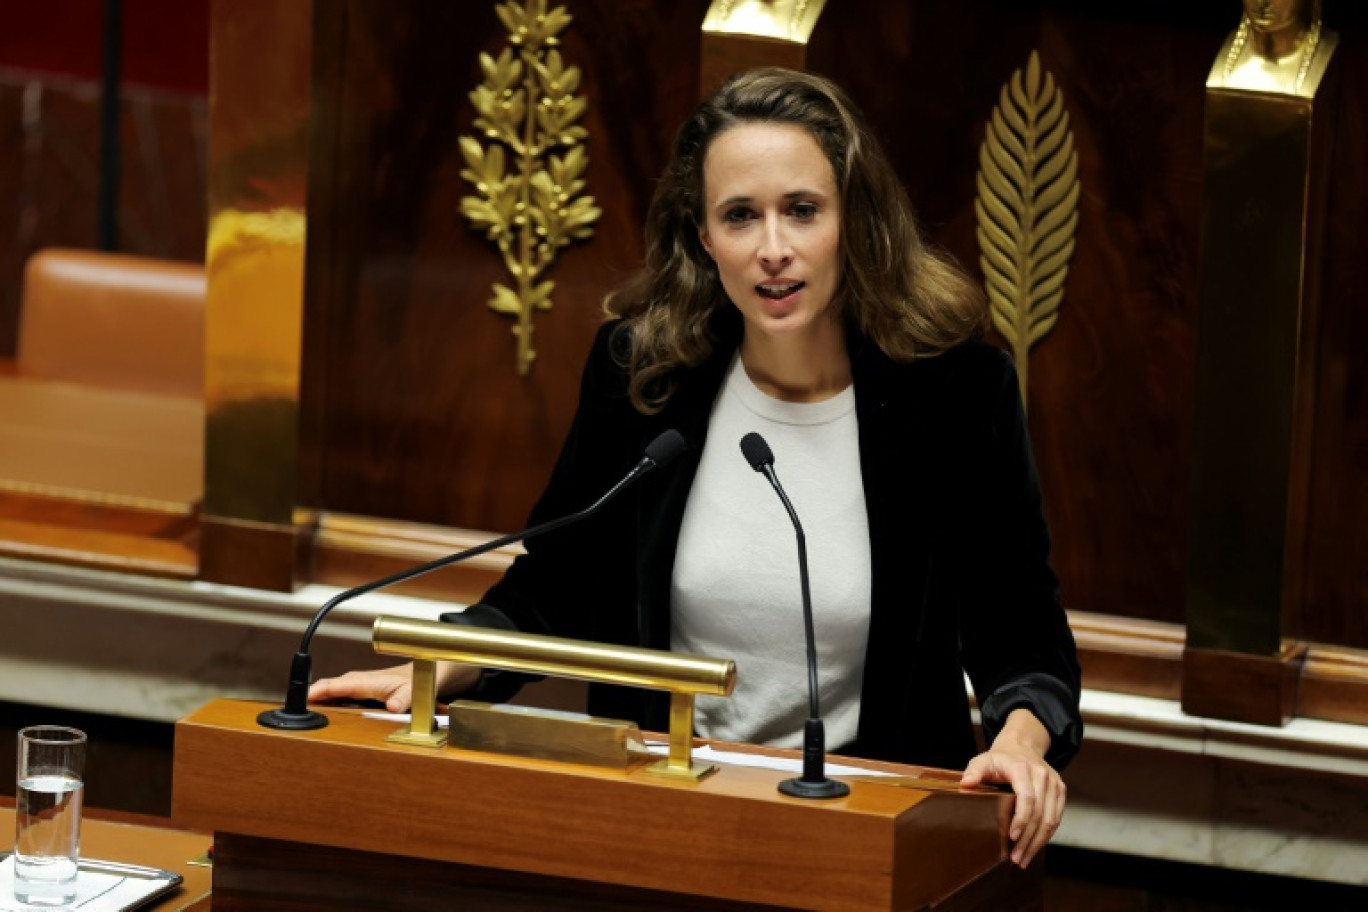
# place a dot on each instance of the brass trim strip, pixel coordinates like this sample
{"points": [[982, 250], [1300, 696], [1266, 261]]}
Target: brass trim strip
{"points": [[415, 542], [97, 498]]}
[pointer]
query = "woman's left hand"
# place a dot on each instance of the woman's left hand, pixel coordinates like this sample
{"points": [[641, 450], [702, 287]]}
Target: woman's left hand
{"points": [[1017, 758]]}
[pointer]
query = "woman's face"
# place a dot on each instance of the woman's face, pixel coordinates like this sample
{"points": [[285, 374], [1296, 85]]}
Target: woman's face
{"points": [[1272, 15], [772, 222]]}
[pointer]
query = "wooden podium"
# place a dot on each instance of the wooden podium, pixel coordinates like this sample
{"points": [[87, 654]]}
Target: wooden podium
{"points": [[339, 819]]}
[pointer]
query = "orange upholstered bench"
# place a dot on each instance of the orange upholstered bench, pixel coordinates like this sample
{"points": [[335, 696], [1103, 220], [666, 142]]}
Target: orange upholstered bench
{"points": [[113, 321], [104, 403]]}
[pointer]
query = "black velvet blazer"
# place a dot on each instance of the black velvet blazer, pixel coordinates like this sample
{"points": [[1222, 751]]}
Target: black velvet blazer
{"points": [[959, 548]]}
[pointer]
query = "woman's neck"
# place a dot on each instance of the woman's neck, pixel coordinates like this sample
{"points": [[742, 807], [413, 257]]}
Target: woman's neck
{"points": [[809, 368], [1280, 43]]}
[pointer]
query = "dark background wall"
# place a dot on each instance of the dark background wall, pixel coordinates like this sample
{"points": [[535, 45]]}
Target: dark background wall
{"points": [[165, 42]]}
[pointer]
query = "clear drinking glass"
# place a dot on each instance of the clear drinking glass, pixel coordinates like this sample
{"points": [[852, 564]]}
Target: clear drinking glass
{"points": [[47, 842]]}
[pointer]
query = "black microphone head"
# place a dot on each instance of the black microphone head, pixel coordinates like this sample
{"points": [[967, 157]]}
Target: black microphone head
{"points": [[757, 451], [666, 447]]}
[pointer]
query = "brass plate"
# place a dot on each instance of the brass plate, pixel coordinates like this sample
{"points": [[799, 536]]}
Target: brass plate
{"points": [[546, 734]]}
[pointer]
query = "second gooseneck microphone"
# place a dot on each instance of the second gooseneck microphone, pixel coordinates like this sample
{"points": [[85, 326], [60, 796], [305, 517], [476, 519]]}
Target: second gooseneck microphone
{"points": [[814, 782]]}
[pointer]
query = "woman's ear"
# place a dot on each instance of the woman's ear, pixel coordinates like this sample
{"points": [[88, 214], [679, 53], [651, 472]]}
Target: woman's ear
{"points": [[705, 240]]}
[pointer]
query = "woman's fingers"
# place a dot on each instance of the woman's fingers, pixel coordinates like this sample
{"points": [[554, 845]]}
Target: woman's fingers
{"points": [[391, 686], [1040, 797]]}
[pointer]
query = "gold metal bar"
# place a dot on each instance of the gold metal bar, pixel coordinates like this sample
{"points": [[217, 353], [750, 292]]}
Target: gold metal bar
{"points": [[681, 674], [424, 695], [422, 728], [537, 654], [681, 729]]}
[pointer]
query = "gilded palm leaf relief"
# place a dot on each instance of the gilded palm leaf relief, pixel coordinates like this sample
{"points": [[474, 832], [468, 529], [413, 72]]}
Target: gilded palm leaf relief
{"points": [[1027, 209], [528, 111]]}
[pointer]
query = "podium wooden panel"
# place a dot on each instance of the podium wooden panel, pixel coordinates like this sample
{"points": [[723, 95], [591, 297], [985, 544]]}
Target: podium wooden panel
{"points": [[339, 819]]}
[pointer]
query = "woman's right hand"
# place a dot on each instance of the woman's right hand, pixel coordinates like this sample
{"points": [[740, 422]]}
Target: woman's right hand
{"points": [[391, 686]]}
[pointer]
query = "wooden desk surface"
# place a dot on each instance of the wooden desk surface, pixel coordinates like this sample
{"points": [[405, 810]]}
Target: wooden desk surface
{"points": [[138, 843], [65, 437]]}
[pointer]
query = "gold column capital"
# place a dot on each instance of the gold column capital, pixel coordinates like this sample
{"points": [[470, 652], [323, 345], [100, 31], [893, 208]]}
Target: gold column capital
{"points": [[1277, 52], [781, 20]]}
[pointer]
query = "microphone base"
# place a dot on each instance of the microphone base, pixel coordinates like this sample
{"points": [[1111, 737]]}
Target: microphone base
{"points": [[814, 789], [290, 721]]}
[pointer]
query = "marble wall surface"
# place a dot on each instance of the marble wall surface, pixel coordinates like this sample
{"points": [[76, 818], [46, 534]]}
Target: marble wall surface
{"points": [[1153, 782], [156, 649]]}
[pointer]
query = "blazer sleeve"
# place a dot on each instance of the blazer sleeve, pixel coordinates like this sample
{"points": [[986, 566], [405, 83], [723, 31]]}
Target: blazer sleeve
{"points": [[1015, 639]]}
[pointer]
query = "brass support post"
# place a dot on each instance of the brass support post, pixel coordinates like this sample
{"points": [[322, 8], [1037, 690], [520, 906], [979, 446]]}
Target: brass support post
{"points": [[422, 728], [679, 764]]}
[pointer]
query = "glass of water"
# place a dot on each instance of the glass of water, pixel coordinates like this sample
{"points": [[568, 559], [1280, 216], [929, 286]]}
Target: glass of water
{"points": [[47, 841]]}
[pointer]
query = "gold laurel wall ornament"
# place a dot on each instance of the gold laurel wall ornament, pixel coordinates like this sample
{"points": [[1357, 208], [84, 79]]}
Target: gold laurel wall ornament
{"points": [[1027, 209], [528, 111]]}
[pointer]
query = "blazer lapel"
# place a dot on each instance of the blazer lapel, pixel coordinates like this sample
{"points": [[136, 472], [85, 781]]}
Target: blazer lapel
{"points": [[897, 476]]}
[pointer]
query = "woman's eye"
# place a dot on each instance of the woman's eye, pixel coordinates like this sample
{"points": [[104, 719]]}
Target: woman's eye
{"points": [[804, 211], [736, 215]]}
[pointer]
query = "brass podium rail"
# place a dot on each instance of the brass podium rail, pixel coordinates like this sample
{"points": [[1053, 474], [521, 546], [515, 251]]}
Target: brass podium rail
{"points": [[426, 642]]}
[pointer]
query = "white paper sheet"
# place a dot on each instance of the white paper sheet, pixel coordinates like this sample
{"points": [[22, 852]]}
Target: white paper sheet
{"points": [[709, 754], [100, 887], [705, 753]]}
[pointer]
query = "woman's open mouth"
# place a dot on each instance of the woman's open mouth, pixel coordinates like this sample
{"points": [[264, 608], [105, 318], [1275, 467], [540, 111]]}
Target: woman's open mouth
{"points": [[778, 291]]}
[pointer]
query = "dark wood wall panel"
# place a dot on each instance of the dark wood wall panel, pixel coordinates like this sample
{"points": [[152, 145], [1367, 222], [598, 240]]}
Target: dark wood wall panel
{"points": [[165, 43], [1111, 392], [1111, 387], [1335, 594], [423, 418]]}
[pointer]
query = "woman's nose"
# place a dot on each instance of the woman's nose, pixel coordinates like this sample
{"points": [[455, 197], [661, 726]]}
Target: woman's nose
{"points": [[775, 252]]}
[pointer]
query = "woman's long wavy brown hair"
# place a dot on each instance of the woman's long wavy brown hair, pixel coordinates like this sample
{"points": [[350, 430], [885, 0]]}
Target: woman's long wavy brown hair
{"points": [[908, 299]]}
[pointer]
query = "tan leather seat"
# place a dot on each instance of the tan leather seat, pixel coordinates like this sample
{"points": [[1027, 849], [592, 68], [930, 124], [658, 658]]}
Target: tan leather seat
{"points": [[113, 321]]}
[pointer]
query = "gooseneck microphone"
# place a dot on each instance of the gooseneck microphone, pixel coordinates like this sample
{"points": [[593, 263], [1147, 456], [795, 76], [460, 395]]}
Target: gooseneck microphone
{"points": [[296, 715], [814, 782]]}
